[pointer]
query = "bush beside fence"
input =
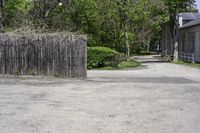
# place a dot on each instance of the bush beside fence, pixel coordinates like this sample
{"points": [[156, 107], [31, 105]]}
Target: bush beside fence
{"points": [[102, 56]]}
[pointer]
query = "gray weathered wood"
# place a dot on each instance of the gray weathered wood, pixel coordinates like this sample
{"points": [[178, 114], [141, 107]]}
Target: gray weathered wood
{"points": [[43, 54]]}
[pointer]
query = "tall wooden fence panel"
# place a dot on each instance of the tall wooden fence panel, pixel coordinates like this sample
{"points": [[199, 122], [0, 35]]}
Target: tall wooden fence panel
{"points": [[43, 54]]}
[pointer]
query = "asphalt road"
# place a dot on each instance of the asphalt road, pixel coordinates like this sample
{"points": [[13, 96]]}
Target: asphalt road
{"points": [[155, 98]]}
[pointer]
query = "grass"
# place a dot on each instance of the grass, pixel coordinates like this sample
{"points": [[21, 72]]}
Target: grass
{"points": [[144, 53], [196, 65], [128, 64], [123, 65]]}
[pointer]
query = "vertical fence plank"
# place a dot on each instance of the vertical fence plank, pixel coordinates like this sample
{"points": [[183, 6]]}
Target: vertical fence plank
{"points": [[43, 54]]}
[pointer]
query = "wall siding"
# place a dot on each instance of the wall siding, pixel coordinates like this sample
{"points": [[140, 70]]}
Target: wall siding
{"points": [[188, 48]]}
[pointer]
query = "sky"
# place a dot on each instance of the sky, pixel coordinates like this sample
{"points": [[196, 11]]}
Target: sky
{"points": [[198, 4]]}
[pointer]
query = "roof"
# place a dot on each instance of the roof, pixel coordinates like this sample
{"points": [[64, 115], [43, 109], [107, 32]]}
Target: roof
{"points": [[191, 23], [190, 16]]}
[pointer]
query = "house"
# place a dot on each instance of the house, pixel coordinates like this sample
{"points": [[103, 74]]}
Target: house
{"points": [[189, 41], [188, 38]]}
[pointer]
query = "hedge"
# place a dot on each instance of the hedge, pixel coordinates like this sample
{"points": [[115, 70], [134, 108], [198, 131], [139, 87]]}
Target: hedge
{"points": [[102, 56]]}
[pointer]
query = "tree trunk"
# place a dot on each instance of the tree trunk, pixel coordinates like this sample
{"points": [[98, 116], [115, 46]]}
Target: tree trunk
{"points": [[148, 45], [44, 10], [175, 48], [49, 7], [127, 42], [1, 16], [175, 37], [1, 22], [117, 39]]}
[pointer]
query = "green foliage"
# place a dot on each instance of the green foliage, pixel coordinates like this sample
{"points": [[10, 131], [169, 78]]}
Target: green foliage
{"points": [[16, 72], [14, 13], [143, 53], [32, 72], [173, 7], [101, 57], [147, 53], [105, 22], [57, 75], [128, 64], [196, 65], [122, 65]]}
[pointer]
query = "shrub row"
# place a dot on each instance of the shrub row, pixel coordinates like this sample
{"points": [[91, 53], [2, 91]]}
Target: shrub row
{"points": [[102, 56]]}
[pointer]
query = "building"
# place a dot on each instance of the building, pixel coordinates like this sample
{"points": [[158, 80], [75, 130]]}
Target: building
{"points": [[189, 41], [188, 38]]}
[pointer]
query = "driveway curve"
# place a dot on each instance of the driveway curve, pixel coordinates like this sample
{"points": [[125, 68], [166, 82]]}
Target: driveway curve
{"points": [[158, 97]]}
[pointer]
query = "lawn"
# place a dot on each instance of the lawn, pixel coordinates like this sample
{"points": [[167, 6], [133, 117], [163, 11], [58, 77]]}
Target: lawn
{"points": [[123, 65], [195, 65]]}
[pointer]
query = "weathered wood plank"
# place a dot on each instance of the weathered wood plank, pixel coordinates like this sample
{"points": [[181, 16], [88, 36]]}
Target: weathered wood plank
{"points": [[43, 54]]}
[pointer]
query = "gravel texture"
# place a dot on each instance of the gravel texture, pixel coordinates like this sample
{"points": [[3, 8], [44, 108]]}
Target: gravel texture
{"points": [[155, 98]]}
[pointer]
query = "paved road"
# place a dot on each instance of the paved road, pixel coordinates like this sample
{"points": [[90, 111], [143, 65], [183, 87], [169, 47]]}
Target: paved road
{"points": [[156, 98]]}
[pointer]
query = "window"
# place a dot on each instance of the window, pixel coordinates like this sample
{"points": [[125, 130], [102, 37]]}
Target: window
{"points": [[191, 41], [183, 41]]}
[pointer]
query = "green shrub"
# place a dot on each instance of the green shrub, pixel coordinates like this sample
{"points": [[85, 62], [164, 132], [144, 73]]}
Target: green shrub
{"points": [[32, 72], [143, 52], [16, 72], [128, 64], [102, 56]]}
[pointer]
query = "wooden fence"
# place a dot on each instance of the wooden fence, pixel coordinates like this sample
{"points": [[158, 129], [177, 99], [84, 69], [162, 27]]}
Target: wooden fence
{"points": [[190, 57], [62, 55]]}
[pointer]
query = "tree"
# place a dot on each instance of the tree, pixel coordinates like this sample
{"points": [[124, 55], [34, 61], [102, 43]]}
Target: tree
{"points": [[1, 16], [46, 7], [118, 24], [15, 13], [50, 5], [42, 9]]}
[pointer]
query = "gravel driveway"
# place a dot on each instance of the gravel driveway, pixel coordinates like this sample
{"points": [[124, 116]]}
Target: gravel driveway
{"points": [[156, 98]]}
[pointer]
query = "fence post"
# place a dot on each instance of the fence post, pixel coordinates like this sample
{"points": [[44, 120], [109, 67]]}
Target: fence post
{"points": [[193, 58]]}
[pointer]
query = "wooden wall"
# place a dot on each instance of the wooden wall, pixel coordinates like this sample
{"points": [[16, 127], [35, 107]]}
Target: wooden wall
{"points": [[189, 42], [62, 55]]}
